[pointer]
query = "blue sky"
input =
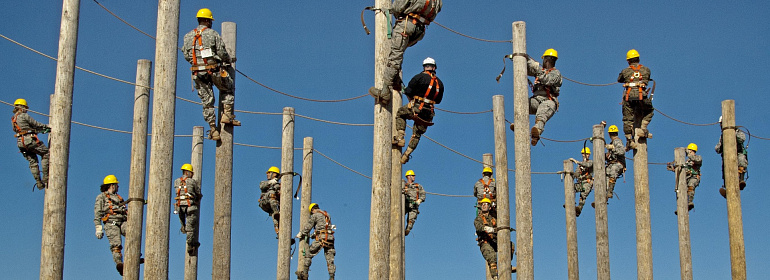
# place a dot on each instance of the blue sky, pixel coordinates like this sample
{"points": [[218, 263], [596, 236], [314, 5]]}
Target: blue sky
{"points": [[700, 54]]}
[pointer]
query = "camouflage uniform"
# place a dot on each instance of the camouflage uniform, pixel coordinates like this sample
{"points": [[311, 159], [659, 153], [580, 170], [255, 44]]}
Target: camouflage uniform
{"points": [[743, 161], [485, 188], [188, 198], [545, 92], [221, 77], [584, 183], [692, 167], [107, 210], [413, 193], [324, 238], [488, 240], [26, 129], [270, 199], [424, 91], [635, 96], [616, 164]]}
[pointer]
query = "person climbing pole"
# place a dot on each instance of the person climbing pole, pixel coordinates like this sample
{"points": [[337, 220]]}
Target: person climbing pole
{"points": [[414, 195], [584, 178], [616, 160], [205, 50], [692, 169], [110, 210], [26, 129], [485, 188], [636, 100], [323, 238], [545, 91], [424, 91], [412, 16], [486, 232], [188, 198], [270, 198], [743, 158]]}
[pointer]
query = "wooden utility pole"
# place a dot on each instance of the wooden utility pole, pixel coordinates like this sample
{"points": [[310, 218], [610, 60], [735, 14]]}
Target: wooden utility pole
{"points": [[397, 260], [734, 214], [524, 258], [196, 160], [223, 183], [573, 270], [683, 215], [287, 184], [55, 204], [306, 196], [379, 223], [138, 170], [488, 162], [642, 194], [600, 202], [501, 185], [162, 147]]}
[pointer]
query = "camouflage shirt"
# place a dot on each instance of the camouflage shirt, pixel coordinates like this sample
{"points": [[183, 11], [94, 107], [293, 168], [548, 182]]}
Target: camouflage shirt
{"points": [[27, 124], [484, 188], [322, 223], [187, 192], [627, 75], [413, 192], [210, 39], [740, 139], [485, 220], [693, 164], [107, 205], [585, 170], [546, 79], [617, 153], [425, 8]]}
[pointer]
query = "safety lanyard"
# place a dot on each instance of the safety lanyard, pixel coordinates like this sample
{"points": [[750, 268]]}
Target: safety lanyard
{"points": [[199, 42], [433, 80], [638, 75], [182, 184]]}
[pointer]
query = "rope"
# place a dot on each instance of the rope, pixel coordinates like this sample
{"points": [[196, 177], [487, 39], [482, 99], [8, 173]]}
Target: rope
{"points": [[333, 122], [449, 195], [564, 141], [587, 84], [340, 164], [464, 113], [116, 16], [297, 97], [257, 146], [448, 148], [471, 37], [687, 123]]}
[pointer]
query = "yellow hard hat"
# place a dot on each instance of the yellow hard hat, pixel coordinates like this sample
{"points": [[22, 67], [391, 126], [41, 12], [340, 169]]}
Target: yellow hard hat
{"points": [[550, 52], [612, 128], [310, 208], [486, 170], [409, 173], [485, 200], [21, 102], [205, 13], [585, 150], [110, 179], [693, 147], [632, 54], [273, 169], [187, 167]]}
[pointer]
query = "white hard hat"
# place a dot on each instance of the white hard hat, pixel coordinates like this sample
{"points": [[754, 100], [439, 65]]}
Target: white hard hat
{"points": [[429, 61]]}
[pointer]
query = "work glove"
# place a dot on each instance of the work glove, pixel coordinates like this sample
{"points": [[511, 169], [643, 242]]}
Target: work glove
{"points": [[489, 229], [609, 146], [274, 181], [418, 202], [299, 235], [99, 232]]}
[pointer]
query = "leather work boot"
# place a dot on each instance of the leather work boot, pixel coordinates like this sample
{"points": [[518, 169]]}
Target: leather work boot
{"points": [[741, 177], [630, 142], [723, 192], [301, 275], [535, 136], [512, 127], [214, 133], [643, 126], [228, 117], [119, 267], [407, 155], [408, 229], [382, 95], [398, 139], [513, 269]]}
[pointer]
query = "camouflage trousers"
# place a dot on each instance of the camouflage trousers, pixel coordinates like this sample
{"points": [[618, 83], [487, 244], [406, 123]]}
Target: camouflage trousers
{"points": [[405, 34], [584, 188], [613, 171], [630, 106], [411, 212], [329, 253], [270, 204], [543, 109], [113, 230], [407, 112], [188, 216], [203, 83], [489, 252], [30, 148]]}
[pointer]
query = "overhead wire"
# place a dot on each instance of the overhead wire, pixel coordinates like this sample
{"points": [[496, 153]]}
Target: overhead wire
{"points": [[471, 37]]}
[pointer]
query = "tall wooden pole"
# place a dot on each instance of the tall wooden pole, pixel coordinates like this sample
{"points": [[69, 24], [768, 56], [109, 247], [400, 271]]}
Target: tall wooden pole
{"points": [[734, 214], [196, 160], [397, 261], [573, 269], [379, 224], [287, 183], [138, 170], [306, 196], [683, 216], [223, 183], [600, 199], [162, 147], [488, 162], [524, 258], [55, 204], [501, 184], [643, 227]]}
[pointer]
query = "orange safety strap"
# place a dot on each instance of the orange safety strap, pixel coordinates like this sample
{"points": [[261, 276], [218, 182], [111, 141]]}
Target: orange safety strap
{"points": [[197, 41], [636, 72], [433, 79], [182, 183], [16, 127], [494, 224], [326, 228], [109, 205], [486, 188]]}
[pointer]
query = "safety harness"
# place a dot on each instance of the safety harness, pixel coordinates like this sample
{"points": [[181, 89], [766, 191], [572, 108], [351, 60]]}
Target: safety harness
{"points": [[489, 236], [111, 207], [424, 100], [487, 192], [406, 191], [421, 17], [183, 195], [635, 81], [326, 231], [585, 175], [548, 89], [19, 132]]}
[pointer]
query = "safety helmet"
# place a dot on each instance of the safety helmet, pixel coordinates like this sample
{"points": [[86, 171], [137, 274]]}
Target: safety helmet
{"points": [[21, 102], [409, 173], [612, 128], [205, 13], [310, 208], [632, 54], [110, 179], [429, 61], [693, 147], [486, 170], [585, 150], [550, 52], [187, 167], [273, 169], [485, 200]]}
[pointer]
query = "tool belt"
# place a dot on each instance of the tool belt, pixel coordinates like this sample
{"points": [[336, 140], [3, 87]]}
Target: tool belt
{"points": [[207, 68], [424, 100], [642, 85], [26, 132], [418, 19]]}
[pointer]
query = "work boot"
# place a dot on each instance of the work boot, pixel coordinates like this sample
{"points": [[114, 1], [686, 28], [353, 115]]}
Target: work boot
{"points": [[610, 189], [723, 192], [301, 275], [228, 117], [398, 139], [645, 131], [630, 142], [407, 155], [40, 185], [593, 205], [512, 128], [119, 267], [382, 95], [513, 269], [409, 226], [214, 133], [535, 136], [578, 209], [331, 276], [193, 248], [741, 177], [642, 133], [493, 270], [182, 229]]}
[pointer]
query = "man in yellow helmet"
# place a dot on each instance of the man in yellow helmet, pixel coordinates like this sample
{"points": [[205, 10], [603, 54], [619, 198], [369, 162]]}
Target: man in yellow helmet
{"points": [[324, 238], [485, 188], [188, 198], [30, 146], [545, 91], [270, 198], [414, 195], [486, 232], [692, 168], [424, 91], [584, 178], [110, 210], [615, 160], [636, 100], [743, 160], [205, 50]]}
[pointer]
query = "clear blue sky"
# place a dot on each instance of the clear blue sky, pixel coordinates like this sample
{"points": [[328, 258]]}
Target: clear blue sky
{"points": [[700, 54]]}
